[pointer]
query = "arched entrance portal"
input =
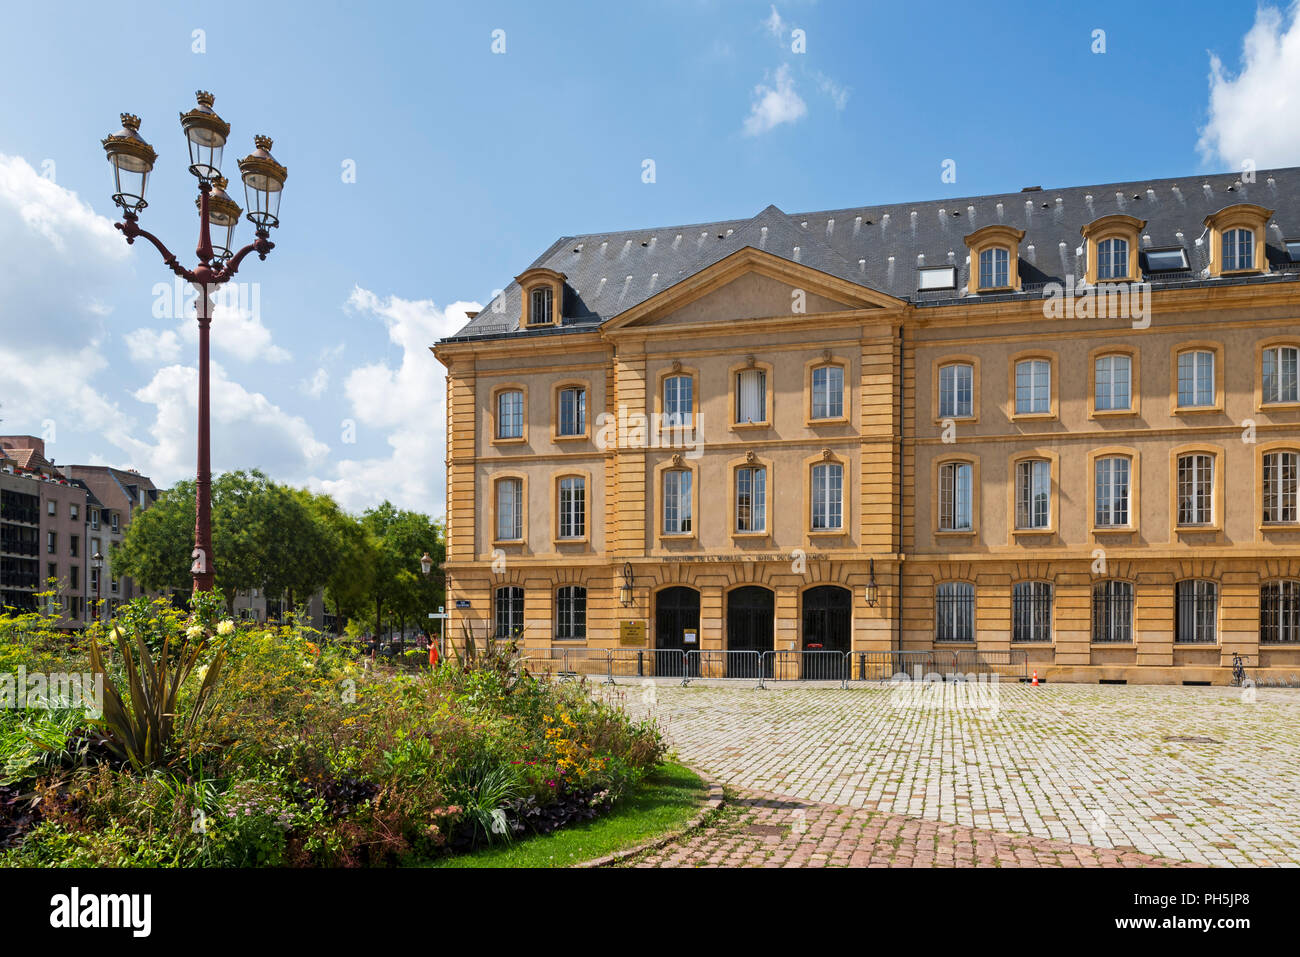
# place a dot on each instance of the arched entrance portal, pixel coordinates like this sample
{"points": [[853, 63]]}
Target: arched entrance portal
{"points": [[827, 627], [677, 618], [751, 613]]}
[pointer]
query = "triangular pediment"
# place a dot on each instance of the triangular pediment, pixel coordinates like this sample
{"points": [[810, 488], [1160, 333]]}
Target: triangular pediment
{"points": [[751, 284]]}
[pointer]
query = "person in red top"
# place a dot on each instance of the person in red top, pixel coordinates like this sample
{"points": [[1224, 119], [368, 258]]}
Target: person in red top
{"points": [[433, 653]]}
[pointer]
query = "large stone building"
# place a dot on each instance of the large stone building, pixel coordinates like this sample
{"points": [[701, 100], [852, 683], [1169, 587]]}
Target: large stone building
{"points": [[1059, 421]]}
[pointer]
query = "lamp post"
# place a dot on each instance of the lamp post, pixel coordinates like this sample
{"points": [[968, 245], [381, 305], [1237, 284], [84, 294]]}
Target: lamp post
{"points": [[132, 160], [873, 590], [426, 567], [97, 563], [625, 590]]}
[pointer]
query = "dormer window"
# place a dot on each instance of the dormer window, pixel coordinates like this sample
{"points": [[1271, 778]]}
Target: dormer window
{"points": [[1112, 243], [1112, 259], [995, 259], [1237, 239], [540, 301], [995, 267], [543, 296], [1238, 250]]}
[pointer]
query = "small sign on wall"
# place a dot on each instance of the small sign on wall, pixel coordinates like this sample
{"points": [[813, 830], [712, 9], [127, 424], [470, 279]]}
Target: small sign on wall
{"points": [[462, 602], [631, 633], [690, 637]]}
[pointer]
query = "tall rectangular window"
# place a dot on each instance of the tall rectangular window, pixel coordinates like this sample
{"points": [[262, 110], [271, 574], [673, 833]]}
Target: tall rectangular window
{"points": [[573, 411], [51, 542], [1113, 387], [1281, 375], [751, 499], [828, 496], [1031, 611], [954, 611], [510, 414], [751, 396], [1280, 471], [1197, 612], [1111, 499], [679, 400], [955, 497], [1033, 494], [1033, 387], [510, 509], [509, 611], [573, 507], [828, 392], [956, 390], [1279, 612], [571, 612], [677, 502], [1112, 612], [1196, 489], [1195, 379]]}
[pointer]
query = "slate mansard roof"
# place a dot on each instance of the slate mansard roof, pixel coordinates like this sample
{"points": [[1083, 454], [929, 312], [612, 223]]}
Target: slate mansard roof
{"points": [[881, 247]]}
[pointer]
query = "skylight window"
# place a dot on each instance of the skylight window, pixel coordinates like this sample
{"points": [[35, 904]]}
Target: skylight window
{"points": [[936, 277], [1166, 260], [1293, 249]]}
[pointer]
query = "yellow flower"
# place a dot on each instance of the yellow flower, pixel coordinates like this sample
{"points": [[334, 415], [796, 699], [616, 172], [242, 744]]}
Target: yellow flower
{"points": [[227, 627]]}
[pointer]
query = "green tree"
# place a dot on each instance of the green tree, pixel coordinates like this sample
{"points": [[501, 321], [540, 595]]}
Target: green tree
{"points": [[400, 538]]}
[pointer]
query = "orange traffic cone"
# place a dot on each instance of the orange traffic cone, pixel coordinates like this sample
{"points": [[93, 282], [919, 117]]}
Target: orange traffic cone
{"points": [[1035, 681]]}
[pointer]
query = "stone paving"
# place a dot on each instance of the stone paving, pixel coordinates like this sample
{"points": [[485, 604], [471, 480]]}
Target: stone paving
{"points": [[1187, 773], [766, 830]]}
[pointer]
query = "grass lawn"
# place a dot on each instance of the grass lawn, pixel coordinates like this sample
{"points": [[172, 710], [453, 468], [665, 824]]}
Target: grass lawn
{"points": [[666, 799]]}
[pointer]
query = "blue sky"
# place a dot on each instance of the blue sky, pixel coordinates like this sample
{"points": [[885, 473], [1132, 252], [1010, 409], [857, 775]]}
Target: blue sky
{"points": [[469, 163]]}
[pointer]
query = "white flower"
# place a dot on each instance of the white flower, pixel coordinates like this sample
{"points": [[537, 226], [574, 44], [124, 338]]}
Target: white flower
{"points": [[194, 631], [226, 628]]}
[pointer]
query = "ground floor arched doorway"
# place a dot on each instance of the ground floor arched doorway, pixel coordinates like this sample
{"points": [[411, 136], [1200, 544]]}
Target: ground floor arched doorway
{"points": [[677, 622], [751, 615], [827, 631]]}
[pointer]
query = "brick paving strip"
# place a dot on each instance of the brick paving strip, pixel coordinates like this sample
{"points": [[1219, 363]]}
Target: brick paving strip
{"points": [[1206, 775], [757, 829]]}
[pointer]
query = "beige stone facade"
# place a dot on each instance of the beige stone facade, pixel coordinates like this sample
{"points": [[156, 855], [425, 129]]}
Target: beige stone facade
{"points": [[891, 445]]}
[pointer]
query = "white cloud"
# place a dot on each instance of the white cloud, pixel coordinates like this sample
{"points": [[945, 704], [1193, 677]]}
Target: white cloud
{"points": [[248, 430], [407, 402], [237, 328], [1251, 114], [839, 94], [149, 345], [775, 25], [774, 105], [50, 235], [315, 386]]}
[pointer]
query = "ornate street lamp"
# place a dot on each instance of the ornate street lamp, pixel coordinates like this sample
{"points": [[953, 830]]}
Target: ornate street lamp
{"points": [[426, 564], [132, 160], [873, 590]]}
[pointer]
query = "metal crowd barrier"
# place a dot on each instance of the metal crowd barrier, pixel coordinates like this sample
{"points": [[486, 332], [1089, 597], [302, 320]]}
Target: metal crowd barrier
{"points": [[723, 664], [570, 662], [810, 665], [648, 663]]}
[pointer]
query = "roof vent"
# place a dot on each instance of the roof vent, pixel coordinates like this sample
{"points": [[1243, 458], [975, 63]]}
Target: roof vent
{"points": [[1031, 189]]}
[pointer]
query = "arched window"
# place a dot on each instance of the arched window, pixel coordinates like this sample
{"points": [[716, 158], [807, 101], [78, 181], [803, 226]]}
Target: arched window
{"points": [[539, 306], [1113, 383], [679, 401], [1195, 378], [1196, 489], [509, 611], [1112, 612], [510, 509], [828, 392], [573, 507], [995, 268], [1279, 612], [510, 414], [1033, 387], [1281, 374], [571, 612], [1033, 493], [1238, 249], [751, 498], [956, 390], [956, 497], [1112, 259]]}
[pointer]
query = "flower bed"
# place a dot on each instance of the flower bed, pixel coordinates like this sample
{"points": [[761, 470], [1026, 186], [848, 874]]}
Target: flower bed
{"points": [[287, 751]]}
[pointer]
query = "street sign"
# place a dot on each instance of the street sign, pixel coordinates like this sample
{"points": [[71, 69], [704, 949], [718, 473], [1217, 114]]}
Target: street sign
{"points": [[439, 615], [462, 602]]}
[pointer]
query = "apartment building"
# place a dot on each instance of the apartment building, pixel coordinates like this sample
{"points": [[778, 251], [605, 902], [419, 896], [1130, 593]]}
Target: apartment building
{"points": [[1059, 421], [118, 495]]}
